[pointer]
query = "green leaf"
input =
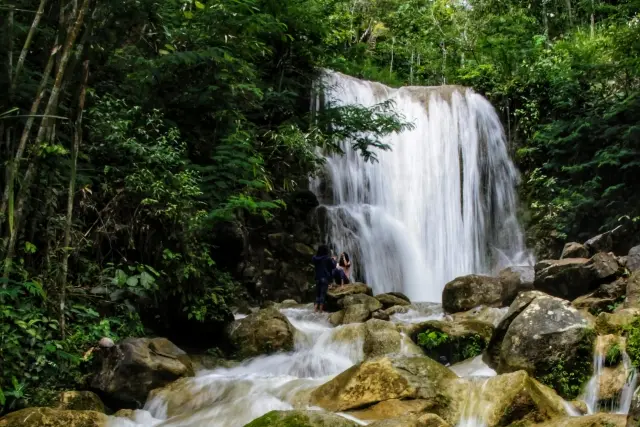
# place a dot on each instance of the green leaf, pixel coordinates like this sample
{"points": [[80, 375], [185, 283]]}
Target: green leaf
{"points": [[163, 52], [199, 5], [132, 281], [29, 248], [3, 399], [188, 14]]}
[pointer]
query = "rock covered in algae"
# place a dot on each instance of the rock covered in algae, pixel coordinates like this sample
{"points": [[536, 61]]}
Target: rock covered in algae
{"points": [[335, 296], [384, 378], [79, 401], [356, 313], [595, 420], [392, 299], [381, 337], [574, 250], [264, 332], [616, 322], [136, 366], [49, 417], [301, 419], [391, 409], [425, 420], [546, 337], [467, 292]]}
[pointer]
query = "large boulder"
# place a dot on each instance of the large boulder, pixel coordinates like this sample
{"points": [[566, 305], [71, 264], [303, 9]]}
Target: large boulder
{"points": [[633, 419], [616, 322], [134, 367], [79, 401], [633, 259], [451, 342], [572, 277], [301, 418], [424, 420], [392, 299], [632, 291], [356, 313], [604, 299], [48, 417], [574, 250], [391, 409], [516, 279], [546, 337], [381, 338], [334, 296], [508, 398], [595, 420], [264, 332], [385, 378], [370, 303], [490, 315], [467, 292]]}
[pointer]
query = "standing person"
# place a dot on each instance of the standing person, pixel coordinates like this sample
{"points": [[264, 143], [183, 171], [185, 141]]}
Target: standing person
{"points": [[324, 264]]}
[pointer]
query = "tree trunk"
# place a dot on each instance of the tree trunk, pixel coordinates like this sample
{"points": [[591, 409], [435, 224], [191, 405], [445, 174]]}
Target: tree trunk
{"points": [[77, 140], [44, 127], [27, 44]]}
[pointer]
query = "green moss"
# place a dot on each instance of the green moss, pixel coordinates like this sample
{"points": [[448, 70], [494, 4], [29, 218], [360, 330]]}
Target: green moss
{"points": [[613, 356], [568, 378], [632, 332], [438, 344]]}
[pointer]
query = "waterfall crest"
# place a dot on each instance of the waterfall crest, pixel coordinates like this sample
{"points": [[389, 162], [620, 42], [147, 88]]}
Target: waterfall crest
{"points": [[440, 204]]}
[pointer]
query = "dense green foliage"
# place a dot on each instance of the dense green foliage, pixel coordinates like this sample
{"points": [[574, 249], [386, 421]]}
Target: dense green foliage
{"points": [[131, 133], [437, 344]]}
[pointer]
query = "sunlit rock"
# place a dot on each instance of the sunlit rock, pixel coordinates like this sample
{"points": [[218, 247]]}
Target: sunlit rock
{"points": [[265, 332], [467, 292], [301, 419], [48, 417]]}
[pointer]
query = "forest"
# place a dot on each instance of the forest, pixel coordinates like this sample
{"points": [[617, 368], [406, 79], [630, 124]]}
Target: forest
{"points": [[136, 134]]}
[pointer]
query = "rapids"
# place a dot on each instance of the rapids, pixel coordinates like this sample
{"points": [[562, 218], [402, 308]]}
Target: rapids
{"points": [[440, 204], [232, 397]]}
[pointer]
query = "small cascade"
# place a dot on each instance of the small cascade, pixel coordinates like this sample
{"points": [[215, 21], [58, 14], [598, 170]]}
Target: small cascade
{"points": [[475, 405], [592, 396]]}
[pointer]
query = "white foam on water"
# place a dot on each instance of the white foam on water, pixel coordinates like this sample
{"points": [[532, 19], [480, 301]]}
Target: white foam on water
{"points": [[440, 204]]}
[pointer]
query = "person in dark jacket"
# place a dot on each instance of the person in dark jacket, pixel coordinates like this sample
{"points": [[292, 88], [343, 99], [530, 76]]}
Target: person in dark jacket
{"points": [[324, 264]]}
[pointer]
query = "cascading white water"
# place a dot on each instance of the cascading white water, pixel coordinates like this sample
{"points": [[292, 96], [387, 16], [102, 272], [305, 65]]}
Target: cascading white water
{"points": [[622, 402], [440, 204]]}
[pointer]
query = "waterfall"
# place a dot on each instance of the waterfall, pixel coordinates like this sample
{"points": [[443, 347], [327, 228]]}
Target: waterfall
{"points": [[592, 398], [440, 204]]}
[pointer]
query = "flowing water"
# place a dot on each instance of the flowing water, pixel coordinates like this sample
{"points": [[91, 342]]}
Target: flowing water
{"points": [[232, 397], [621, 403], [440, 204]]}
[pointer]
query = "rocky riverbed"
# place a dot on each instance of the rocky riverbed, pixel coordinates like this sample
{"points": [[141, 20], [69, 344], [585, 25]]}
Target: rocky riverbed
{"points": [[549, 345]]}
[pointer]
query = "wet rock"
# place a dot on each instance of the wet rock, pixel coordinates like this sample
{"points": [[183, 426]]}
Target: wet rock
{"points": [[126, 413], [288, 303], [336, 318], [574, 250], [356, 313], [135, 366], [632, 291], [369, 302], [425, 420], [540, 332], [517, 396], [390, 409], [633, 419], [265, 332], [600, 243], [79, 401], [603, 299], [451, 342], [48, 417], [303, 249], [572, 277], [490, 315], [467, 292], [381, 338], [595, 420], [514, 280], [612, 380], [106, 342], [390, 300], [615, 323], [385, 378], [209, 362], [633, 259], [301, 418], [397, 309], [381, 315], [334, 296]]}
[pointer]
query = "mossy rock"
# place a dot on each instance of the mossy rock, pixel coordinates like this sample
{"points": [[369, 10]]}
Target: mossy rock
{"points": [[385, 378], [301, 419], [425, 420], [595, 420], [49, 417], [79, 401], [265, 332], [452, 342]]}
